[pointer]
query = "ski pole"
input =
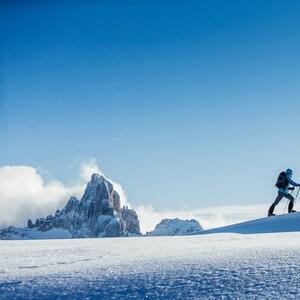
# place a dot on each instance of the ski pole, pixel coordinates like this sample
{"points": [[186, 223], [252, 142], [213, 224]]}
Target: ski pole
{"points": [[294, 199], [297, 193]]}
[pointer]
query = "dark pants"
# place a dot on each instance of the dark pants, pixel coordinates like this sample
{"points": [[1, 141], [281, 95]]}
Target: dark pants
{"points": [[278, 198]]}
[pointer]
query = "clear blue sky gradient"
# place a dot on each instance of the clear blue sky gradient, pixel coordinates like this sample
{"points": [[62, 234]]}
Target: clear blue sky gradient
{"points": [[185, 103]]}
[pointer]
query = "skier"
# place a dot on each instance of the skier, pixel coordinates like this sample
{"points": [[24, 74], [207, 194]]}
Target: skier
{"points": [[283, 182]]}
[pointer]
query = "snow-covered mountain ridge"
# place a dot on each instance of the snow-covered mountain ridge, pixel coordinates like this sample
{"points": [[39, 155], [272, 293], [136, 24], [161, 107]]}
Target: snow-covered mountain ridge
{"points": [[169, 227], [97, 214]]}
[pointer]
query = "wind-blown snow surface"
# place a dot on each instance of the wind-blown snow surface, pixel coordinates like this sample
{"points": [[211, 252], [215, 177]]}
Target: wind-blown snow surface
{"points": [[217, 266]]}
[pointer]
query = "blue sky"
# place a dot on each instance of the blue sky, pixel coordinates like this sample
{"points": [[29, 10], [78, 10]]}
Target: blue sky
{"points": [[185, 104]]}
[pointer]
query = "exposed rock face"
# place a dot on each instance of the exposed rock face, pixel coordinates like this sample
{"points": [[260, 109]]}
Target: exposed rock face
{"points": [[175, 227], [97, 214], [130, 218]]}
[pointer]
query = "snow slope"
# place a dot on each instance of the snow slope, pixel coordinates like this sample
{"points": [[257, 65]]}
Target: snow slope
{"points": [[282, 223], [13, 233], [217, 266]]}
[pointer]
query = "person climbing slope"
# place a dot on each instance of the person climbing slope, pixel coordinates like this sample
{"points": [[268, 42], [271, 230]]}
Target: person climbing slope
{"points": [[283, 184]]}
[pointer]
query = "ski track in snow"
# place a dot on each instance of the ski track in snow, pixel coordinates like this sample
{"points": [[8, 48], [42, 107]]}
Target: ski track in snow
{"points": [[217, 266]]}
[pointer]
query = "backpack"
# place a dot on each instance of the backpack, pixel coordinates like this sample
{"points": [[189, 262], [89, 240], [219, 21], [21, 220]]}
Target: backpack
{"points": [[282, 181]]}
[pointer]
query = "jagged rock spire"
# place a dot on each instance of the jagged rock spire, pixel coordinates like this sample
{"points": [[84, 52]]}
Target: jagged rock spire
{"points": [[97, 214]]}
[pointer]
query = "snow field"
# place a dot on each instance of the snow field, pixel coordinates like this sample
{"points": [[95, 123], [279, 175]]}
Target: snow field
{"points": [[216, 266]]}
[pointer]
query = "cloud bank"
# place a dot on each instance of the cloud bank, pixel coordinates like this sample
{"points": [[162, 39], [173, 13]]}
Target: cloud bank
{"points": [[210, 217], [24, 195]]}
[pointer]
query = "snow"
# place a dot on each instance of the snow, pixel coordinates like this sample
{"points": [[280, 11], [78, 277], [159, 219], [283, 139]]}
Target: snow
{"points": [[282, 223], [34, 234], [169, 227], [214, 266], [261, 263]]}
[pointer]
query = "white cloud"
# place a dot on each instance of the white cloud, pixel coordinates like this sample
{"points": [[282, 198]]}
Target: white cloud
{"points": [[88, 168], [24, 194], [116, 139]]}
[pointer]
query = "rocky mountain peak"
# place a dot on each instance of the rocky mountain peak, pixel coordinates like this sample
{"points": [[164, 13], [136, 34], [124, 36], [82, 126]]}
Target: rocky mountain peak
{"points": [[97, 188]]}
